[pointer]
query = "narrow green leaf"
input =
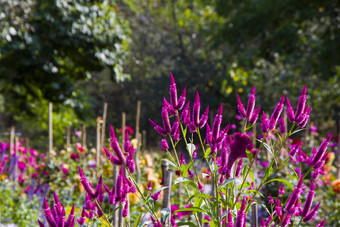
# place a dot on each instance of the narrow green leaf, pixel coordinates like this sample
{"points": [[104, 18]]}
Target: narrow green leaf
{"points": [[186, 223], [207, 152], [160, 189], [165, 213], [193, 209], [283, 181], [138, 219], [245, 185], [266, 146], [171, 163], [227, 182], [298, 130], [181, 180], [249, 155]]}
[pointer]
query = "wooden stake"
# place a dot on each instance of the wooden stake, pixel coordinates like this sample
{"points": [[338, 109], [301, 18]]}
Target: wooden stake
{"points": [[167, 179], [68, 136], [103, 125], [136, 157], [255, 215], [98, 147], [84, 137], [123, 127], [144, 141], [15, 160], [11, 140], [115, 214], [50, 128], [138, 117]]}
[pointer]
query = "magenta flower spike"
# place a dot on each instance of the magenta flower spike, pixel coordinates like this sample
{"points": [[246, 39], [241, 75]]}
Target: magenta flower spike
{"points": [[270, 199], [311, 214], [120, 186], [172, 221], [238, 147], [111, 158], [240, 108], [115, 146], [112, 196], [290, 205], [208, 135], [309, 200], [200, 187], [182, 159], [173, 92], [230, 219], [269, 219], [125, 211], [175, 127], [317, 157], [295, 150], [204, 118], [181, 99], [86, 184], [281, 190], [149, 187], [241, 215], [99, 211], [322, 223], [40, 223], [238, 168], [99, 190], [48, 215], [303, 123], [156, 196], [278, 208], [255, 116], [190, 174], [82, 219], [70, 218], [262, 223], [223, 134], [194, 154], [169, 108], [251, 104], [223, 160], [185, 113], [286, 220], [166, 121], [196, 110], [130, 162], [276, 113], [57, 203], [282, 126], [264, 123], [164, 145], [301, 103], [158, 128], [290, 111], [217, 122]]}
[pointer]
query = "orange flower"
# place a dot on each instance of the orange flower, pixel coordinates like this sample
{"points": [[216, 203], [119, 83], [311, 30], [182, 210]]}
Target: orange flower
{"points": [[336, 186], [327, 178]]}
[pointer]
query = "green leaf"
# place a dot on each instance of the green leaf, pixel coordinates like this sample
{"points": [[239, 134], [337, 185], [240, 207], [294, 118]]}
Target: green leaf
{"points": [[160, 189], [249, 155], [193, 209], [181, 180], [144, 223], [268, 173], [186, 223], [227, 182], [165, 213], [170, 163], [283, 181], [207, 152], [252, 176], [138, 219], [245, 185], [264, 207], [191, 148], [199, 195], [298, 130], [266, 146]]}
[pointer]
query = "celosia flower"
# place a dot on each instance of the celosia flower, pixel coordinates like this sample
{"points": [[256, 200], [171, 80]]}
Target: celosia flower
{"points": [[240, 108], [40, 223], [282, 126], [48, 214], [164, 145], [158, 128], [230, 219], [99, 190], [190, 174], [197, 121], [281, 190], [130, 162], [264, 123], [171, 110], [238, 148], [172, 221], [238, 168], [86, 184], [70, 219], [82, 218], [295, 149], [185, 115], [251, 103], [278, 208], [115, 146], [253, 118], [182, 159], [276, 113], [301, 103], [290, 205], [270, 199], [290, 111], [322, 223], [309, 200], [156, 196], [200, 187], [217, 122], [125, 212], [149, 187], [286, 220], [317, 156], [241, 215], [312, 213]]}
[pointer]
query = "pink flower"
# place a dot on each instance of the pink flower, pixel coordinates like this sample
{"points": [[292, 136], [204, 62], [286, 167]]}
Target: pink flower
{"points": [[79, 147], [65, 170]]}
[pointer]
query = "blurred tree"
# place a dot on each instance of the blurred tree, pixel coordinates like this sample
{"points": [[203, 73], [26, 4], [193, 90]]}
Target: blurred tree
{"points": [[47, 46]]}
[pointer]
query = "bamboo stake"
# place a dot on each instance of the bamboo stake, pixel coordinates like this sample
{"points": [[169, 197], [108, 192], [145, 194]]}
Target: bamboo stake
{"points": [[136, 157], [115, 214], [144, 141], [138, 117], [167, 179], [68, 136], [103, 125], [84, 137], [50, 128], [98, 147]]}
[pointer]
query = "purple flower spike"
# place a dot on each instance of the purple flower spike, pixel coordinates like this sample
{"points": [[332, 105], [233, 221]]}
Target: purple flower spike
{"points": [[286, 221], [57, 203], [306, 113], [149, 187], [251, 104], [322, 223], [269, 219], [290, 205], [166, 105], [48, 214], [196, 110], [309, 200], [278, 208], [158, 128], [156, 196], [200, 187], [238, 168], [82, 218], [40, 223], [290, 111], [204, 118], [125, 212], [99, 190], [165, 119], [185, 113], [281, 190], [317, 157], [240, 108], [190, 174], [241, 215], [270, 199], [217, 122], [282, 126], [70, 218], [295, 150], [262, 223], [112, 158], [181, 100], [130, 162], [182, 159], [132, 188], [312, 213], [253, 118], [230, 219], [301, 103], [115, 146], [174, 128], [86, 184], [164, 145], [276, 113], [173, 92], [264, 123], [223, 160], [238, 147]]}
